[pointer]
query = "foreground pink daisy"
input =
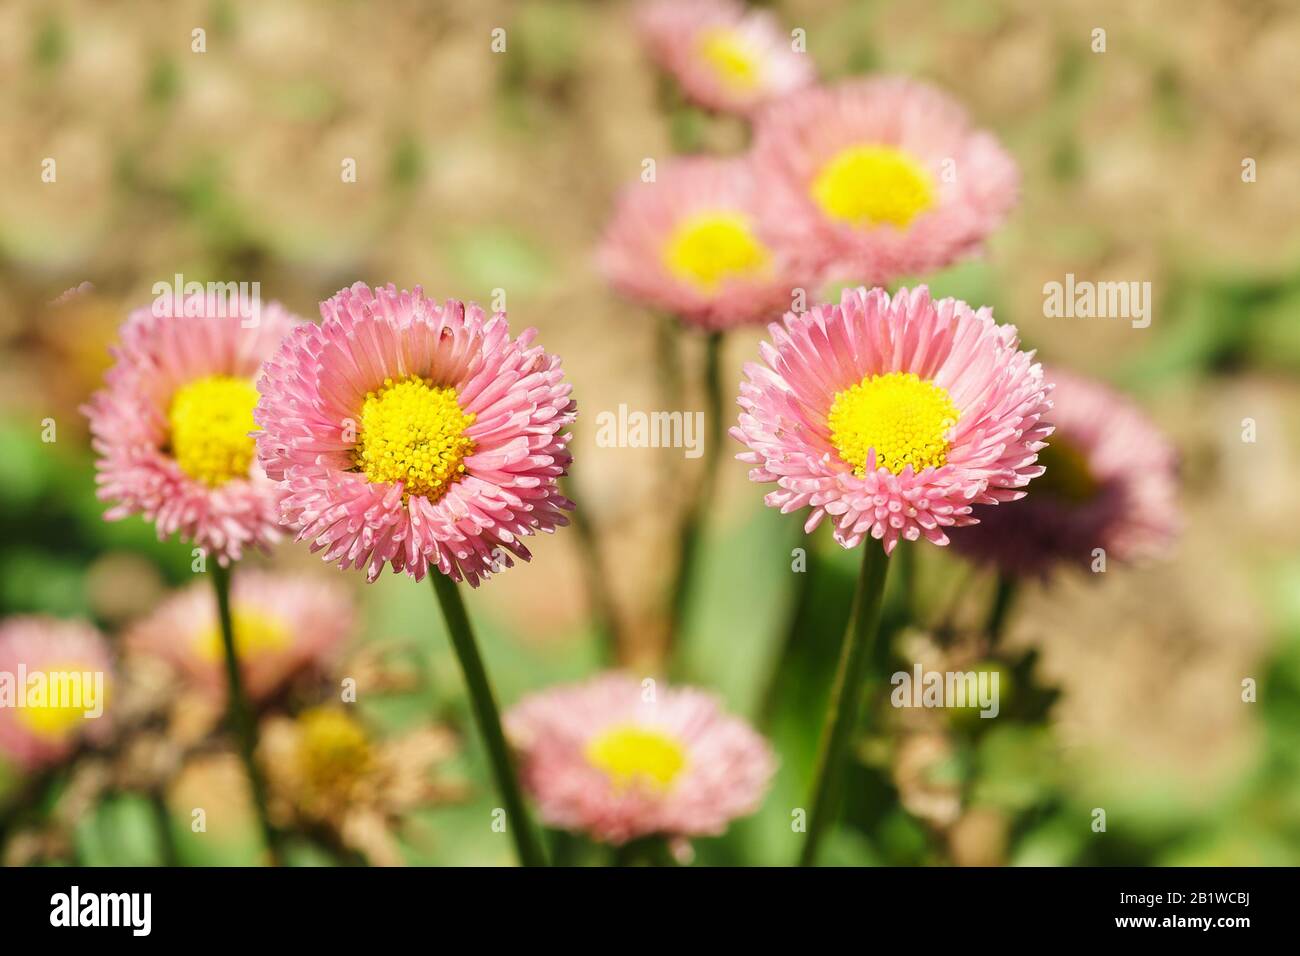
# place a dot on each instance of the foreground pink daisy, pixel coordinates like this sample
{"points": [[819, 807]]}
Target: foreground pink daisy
{"points": [[172, 426], [875, 179], [894, 416], [604, 758], [55, 680], [415, 434], [422, 435], [689, 244], [1110, 483], [284, 625], [726, 57]]}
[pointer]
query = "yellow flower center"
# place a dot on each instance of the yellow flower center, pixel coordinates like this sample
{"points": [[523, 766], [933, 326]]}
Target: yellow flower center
{"points": [[631, 754], [334, 751], [413, 432], [65, 695], [255, 634], [210, 421], [873, 185], [732, 59], [1068, 476], [707, 249], [904, 418]]}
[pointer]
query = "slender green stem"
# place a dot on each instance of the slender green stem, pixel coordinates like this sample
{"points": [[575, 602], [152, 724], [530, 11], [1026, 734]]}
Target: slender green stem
{"points": [[904, 597], [564, 848], [693, 521], [29, 800], [487, 717], [241, 713], [846, 697], [668, 357], [166, 832], [599, 598], [1003, 597], [646, 851], [684, 122]]}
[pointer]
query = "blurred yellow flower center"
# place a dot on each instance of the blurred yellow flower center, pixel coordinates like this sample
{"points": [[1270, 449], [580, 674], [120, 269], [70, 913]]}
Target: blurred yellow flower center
{"points": [[707, 249], [334, 751], [56, 710], [904, 418], [414, 432], [732, 59], [255, 634], [873, 185], [210, 421], [631, 754], [1068, 476]]}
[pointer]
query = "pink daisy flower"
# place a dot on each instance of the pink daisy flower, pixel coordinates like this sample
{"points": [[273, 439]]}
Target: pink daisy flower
{"points": [[880, 178], [726, 57], [1110, 482], [689, 243], [415, 434], [284, 625], [618, 761], [172, 428], [55, 680], [892, 415]]}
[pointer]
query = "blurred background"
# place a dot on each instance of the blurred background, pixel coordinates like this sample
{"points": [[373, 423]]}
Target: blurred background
{"points": [[479, 171]]}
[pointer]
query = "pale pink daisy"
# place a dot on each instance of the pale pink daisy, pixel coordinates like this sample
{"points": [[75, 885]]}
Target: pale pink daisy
{"points": [[56, 680], [284, 625], [895, 416], [689, 243], [416, 434], [1110, 482], [725, 57], [875, 179], [617, 761], [172, 428]]}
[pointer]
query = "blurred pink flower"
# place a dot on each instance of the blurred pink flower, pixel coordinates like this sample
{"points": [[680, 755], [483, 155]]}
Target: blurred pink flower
{"points": [[70, 664], [894, 416], [689, 243], [172, 426], [284, 625], [619, 761], [416, 434], [726, 57], [1110, 482], [875, 179]]}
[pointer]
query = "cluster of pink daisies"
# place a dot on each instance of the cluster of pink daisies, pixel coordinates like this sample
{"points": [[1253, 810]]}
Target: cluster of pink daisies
{"points": [[421, 434], [869, 181], [866, 180]]}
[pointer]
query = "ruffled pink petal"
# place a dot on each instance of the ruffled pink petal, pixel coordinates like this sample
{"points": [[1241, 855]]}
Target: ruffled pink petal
{"points": [[29, 644], [648, 214], [159, 354], [1133, 514], [673, 31], [999, 392], [312, 393], [976, 181], [727, 771]]}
